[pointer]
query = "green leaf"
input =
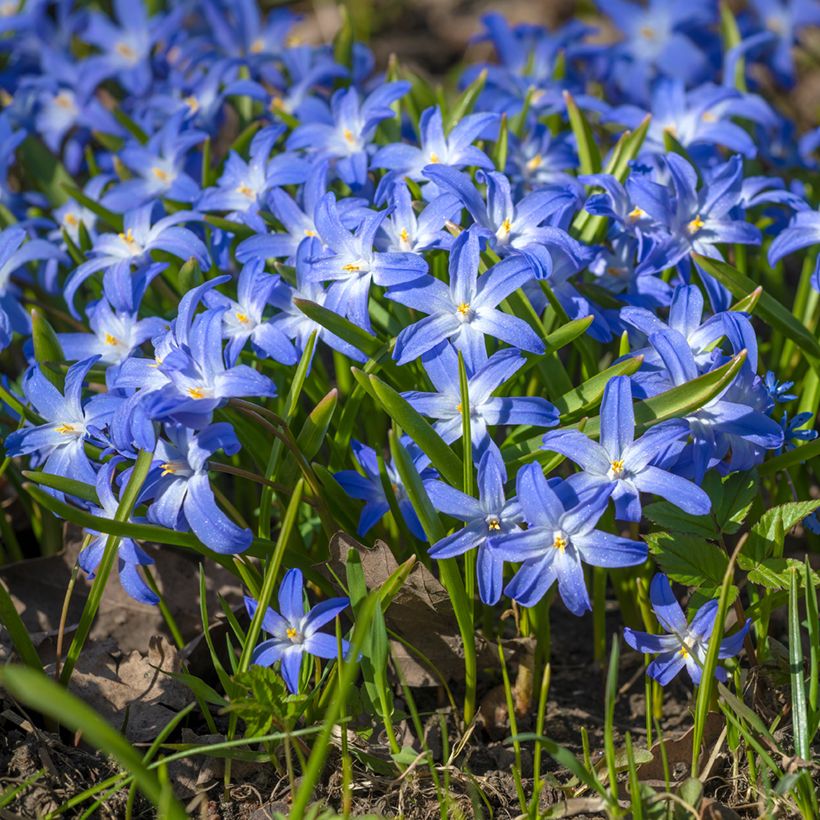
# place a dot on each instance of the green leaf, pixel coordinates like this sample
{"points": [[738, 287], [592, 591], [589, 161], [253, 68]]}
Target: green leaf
{"points": [[47, 349], [687, 559], [567, 333], [466, 102], [42, 694], [341, 327], [801, 454], [588, 153], [110, 218], [732, 498], [18, 633], [800, 718], [772, 573], [125, 508], [675, 520], [588, 395], [779, 317], [420, 430], [675, 403], [238, 229], [69, 486], [44, 170], [767, 535]]}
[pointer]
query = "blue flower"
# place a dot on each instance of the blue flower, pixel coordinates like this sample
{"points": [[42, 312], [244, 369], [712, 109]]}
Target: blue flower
{"points": [[243, 319], [629, 466], [290, 319], [486, 410], [244, 186], [467, 310], [685, 314], [661, 38], [129, 555], [454, 149], [197, 379], [13, 255], [561, 537], [349, 261], [785, 19], [369, 488], [179, 488], [778, 391], [516, 227], [802, 232], [132, 246], [295, 632], [687, 644], [58, 445], [734, 425], [792, 432], [347, 130], [158, 167], [490, 516], [404, 231]]}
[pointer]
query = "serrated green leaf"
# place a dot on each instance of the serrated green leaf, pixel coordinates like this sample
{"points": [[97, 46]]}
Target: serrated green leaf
{"points": [[675, 520], [733, 499], [687, 559], [767, 535]]}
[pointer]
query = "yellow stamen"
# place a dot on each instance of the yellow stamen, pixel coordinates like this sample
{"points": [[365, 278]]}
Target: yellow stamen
{"points": [[196, 392], [351, 267], [168, 468], [349, 136], [111, 340], [695, 225], [648, 32], [276, 104], [245, 190], [157, 362], [192, 102], [459, 407], [684, 652], [559, 542], [617, 466], [636, 213], [128, 237], [66, 429], [292, 633], [71, 219], [434, 158], [708, 116], [463, 310], [257, 46], [161, 174], [494, 524], [124, 50], [534, 163], [242, 317], [506, 227], [64, 100], [404, 235], [309, 232]]}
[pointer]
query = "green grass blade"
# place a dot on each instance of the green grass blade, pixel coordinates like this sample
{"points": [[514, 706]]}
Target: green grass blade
{"points": [[800, 719], [39, 692], [18, 633], [128, 501], [341, 327]]}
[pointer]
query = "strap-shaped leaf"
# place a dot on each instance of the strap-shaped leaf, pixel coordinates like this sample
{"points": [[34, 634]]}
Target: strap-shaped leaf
{"points": [[420, 430], [768, 308], [341, 327]]}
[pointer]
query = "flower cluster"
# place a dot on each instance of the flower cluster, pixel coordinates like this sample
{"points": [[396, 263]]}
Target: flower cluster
{"points": [[241, 202]]}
